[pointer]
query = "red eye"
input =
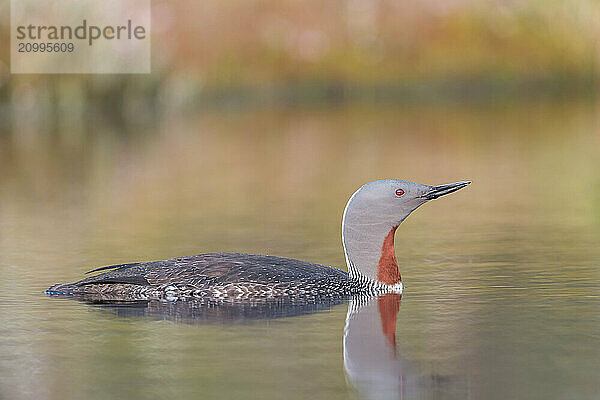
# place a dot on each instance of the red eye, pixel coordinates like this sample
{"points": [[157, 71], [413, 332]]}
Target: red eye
{"points": [[399, 192]]}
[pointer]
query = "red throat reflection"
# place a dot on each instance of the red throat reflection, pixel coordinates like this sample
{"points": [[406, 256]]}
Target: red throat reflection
{"points": [[388, 306]]}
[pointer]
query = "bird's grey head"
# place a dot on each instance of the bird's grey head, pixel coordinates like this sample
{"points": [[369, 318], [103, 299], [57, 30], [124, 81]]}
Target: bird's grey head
{"points": [[371, 217]]}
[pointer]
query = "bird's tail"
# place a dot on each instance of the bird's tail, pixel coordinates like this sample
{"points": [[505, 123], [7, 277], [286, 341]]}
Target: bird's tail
{"points": [[61, 289]]}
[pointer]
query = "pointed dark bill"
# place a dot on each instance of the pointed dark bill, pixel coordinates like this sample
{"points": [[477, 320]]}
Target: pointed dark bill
{"points": [[440, 190]]}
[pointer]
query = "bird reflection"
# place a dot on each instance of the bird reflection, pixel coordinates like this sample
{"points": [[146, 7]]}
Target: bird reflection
{"points": [[371, 359], [197, 311], [373, 362]]}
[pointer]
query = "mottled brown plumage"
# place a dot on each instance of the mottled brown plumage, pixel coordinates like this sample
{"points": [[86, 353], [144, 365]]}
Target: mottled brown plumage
{"points": [[216, 276]]}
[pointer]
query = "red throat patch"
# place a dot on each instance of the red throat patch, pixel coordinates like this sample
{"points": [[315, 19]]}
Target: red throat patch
{"points": [[388, 266]]}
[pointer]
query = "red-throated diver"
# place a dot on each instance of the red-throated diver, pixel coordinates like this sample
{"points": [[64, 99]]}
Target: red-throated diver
{"points": [[370, 220]]}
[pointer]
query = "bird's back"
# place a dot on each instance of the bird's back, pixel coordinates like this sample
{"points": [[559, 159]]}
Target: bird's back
{"points": [[230, 276]]}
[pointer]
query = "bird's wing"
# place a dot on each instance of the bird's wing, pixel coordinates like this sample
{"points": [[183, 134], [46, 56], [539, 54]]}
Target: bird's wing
{"points": [[213, 269], [132, 273], [112, 267]]}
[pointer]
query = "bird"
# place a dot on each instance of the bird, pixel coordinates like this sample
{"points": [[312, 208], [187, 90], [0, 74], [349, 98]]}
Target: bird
{"points": [[369, 222]]}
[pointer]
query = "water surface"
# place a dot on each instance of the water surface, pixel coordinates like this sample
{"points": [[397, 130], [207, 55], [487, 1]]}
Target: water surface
{"points": [[502, 294]]}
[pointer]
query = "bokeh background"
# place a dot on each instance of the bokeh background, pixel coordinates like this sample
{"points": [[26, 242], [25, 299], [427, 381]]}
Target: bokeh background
{"points": [[258, 121], [246, 97], [243, 54]]}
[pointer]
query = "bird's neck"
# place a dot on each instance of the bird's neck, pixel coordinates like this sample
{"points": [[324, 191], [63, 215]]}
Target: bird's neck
{"points": [[369, 249]]}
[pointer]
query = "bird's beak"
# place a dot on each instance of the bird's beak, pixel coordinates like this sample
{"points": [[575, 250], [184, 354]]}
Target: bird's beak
{"points": [[440, 190]]}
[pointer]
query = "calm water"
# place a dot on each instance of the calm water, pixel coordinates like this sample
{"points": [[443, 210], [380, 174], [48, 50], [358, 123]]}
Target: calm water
{"points": [[502, 296]]}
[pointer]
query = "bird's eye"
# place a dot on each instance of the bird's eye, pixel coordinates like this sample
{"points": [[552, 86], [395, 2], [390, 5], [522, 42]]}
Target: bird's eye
{"points": [[399, 192]]}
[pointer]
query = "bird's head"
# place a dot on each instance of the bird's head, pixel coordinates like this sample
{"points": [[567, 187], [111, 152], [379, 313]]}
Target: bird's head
{"points": [[370, 220], [392, 200]]}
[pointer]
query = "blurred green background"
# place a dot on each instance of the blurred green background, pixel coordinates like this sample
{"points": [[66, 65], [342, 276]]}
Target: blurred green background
{"points": [[249, 53]]}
